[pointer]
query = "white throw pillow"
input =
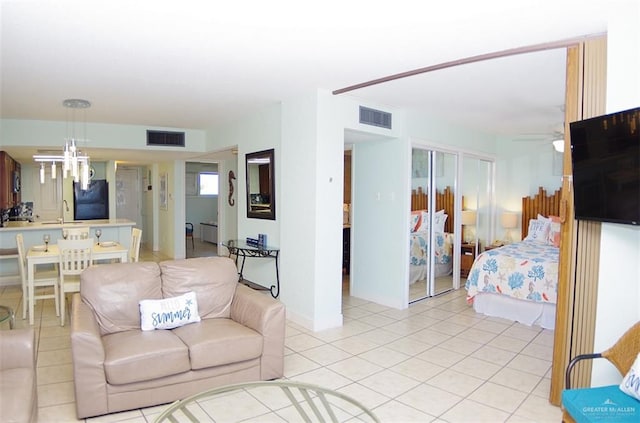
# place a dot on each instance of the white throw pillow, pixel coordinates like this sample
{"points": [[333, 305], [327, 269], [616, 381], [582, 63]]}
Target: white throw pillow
{"points": [[439, 220], [630, 385], [169, 313], [538, 230]]}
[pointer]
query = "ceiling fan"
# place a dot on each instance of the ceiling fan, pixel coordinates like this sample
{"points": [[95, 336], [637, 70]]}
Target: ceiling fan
{"points": [[555, 138]]}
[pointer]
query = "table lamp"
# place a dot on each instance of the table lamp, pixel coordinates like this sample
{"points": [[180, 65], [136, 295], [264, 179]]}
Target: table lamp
{"points": [[509, 221], [468, 219]]}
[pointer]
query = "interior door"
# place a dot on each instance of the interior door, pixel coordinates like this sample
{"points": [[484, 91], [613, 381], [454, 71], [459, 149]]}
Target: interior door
{"points": [[128, 196], [47, 204]]}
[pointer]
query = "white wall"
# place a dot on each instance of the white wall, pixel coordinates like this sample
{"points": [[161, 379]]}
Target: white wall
{"points": [[257, 132], [619, 279], [15, 132], [380, 224]]}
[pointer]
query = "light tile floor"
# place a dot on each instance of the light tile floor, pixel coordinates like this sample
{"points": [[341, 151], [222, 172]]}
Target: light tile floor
{"points": [[437, 361]]}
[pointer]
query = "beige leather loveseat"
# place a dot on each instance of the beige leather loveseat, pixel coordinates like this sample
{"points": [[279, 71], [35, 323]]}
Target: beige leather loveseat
{"points": [[117, 366], [18, 394]]}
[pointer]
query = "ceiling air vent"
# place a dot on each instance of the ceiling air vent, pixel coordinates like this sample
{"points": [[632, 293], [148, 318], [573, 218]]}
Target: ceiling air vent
{"points": [[375, 117], [165, 138]]}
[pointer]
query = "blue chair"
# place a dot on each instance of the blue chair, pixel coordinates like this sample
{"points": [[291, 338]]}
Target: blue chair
{"points": [[189, 234], [604, 403]]}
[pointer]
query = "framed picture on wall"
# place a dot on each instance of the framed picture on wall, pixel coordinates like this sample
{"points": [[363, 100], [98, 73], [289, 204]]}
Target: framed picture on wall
{"points": [[164, 200]]}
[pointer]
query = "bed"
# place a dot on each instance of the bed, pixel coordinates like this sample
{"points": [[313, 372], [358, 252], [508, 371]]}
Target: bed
{"points": [[519, 281], [419, 235]]}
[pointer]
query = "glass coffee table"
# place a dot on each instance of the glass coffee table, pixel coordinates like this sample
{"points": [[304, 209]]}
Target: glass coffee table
{"points": [[6, 313], [278, 400]]}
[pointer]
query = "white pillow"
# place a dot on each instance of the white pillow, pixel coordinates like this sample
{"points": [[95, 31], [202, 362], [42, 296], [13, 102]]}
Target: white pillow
{"points": [[630, 385], [438, 222], [538, 230], [543, 218], [169, 313]]}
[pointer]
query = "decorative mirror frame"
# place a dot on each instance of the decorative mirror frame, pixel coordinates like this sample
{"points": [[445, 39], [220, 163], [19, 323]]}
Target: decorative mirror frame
{"points": [[257, 205]]}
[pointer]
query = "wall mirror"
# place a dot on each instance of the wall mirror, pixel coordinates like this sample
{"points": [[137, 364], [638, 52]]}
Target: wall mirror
{"points": [[261, 198]]}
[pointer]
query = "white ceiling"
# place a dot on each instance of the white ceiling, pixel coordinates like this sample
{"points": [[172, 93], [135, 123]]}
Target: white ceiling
{"points": [[199, 64]]}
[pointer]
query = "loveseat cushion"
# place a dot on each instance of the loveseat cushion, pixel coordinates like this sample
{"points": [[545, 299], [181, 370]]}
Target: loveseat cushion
{"points": [[113, 292], [215, 342], [135, 356], [213, 279]]}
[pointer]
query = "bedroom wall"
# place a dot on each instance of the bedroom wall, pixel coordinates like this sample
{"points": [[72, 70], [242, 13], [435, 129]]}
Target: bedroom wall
{"points": [[522, 167], [619, 279], [380, 259]]}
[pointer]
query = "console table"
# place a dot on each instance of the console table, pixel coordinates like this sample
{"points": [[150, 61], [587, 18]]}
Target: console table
{"points": [[240, 248]]}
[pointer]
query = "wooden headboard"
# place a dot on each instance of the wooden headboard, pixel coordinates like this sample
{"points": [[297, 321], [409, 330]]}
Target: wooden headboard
{"points": [[444, 201], [540, 203]]}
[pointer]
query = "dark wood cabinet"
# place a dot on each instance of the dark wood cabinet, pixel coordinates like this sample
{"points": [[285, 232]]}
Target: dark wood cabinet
{"points": [[10, 185], [467, 256], [346, 249]]}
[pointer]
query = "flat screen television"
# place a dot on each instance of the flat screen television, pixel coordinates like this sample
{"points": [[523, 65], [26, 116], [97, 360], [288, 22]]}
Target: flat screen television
{"points": [[605, 153], [92, 203]]}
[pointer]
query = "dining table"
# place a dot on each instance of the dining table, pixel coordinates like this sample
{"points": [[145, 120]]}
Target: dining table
{"points": [[41, 254]]}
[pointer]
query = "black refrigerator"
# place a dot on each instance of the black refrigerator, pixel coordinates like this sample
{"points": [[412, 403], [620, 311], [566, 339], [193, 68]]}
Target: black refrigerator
{"points": [[91, 203]]}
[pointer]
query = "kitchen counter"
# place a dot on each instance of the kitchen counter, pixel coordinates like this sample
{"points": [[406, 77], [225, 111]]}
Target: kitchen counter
{"points": [[20, 226], [112, 230]]}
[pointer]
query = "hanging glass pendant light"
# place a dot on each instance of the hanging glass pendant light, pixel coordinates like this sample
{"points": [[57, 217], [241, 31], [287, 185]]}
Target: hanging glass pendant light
{"points": [[72, 159]]}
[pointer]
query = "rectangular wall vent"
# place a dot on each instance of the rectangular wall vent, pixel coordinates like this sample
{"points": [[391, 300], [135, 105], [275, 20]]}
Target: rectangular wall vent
{"points": [[165, 138], [375, 117]]}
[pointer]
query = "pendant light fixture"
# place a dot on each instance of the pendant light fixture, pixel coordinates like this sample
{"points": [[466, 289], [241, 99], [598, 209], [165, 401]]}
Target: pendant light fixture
{"points": [[72, 159]]}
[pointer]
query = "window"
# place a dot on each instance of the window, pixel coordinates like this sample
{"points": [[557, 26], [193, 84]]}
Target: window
{"points": [[208, 183]]}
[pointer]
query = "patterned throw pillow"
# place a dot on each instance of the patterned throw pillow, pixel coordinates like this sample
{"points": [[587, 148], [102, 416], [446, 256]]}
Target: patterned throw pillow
{"points": [[630, 385], [169, 313], [538, 230]]}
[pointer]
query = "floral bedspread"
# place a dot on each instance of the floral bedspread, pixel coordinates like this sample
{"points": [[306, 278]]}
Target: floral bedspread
{"points": [[526, 270], [418, 248]]}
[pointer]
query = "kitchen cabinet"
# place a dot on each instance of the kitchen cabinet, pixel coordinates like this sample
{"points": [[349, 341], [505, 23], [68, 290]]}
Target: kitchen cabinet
{"points": [[209, 232], [10, 188]]}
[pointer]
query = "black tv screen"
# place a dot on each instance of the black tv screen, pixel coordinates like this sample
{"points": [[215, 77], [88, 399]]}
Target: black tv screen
{"points": [[605, 153], [92, 203]]}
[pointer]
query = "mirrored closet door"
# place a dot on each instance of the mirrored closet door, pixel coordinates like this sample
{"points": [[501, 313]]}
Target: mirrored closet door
{"points": [[432, 224], [477, 211]]}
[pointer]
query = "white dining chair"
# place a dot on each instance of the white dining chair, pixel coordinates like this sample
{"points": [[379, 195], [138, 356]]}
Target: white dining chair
{"points": [[134, 245], [75, 257], [80, 232], [41, 280]]}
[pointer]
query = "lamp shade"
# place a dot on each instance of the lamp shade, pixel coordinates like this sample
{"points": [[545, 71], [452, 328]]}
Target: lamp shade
{"points": [[468, 217], [558, 145], [509, 220]]}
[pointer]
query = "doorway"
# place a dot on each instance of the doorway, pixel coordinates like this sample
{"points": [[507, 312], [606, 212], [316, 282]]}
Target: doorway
{"points": [[129, 195]]}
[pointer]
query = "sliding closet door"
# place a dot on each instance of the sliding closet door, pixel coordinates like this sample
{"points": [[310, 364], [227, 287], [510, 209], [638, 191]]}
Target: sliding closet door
{"points": [[445, 173], [433, 185], [477, 207], [420, 236]]}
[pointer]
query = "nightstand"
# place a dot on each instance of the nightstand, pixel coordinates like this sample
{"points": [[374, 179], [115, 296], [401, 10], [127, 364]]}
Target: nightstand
{"points": [[467, 256]]}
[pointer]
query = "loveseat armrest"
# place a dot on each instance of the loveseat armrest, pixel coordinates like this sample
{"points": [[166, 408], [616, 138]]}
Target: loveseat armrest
{"points": [[87, 351], [266, 316], [18, 349]]}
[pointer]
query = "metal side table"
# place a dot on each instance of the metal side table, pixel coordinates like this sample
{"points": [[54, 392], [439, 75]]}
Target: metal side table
{"points": [[240, 248], [6, 313]]}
